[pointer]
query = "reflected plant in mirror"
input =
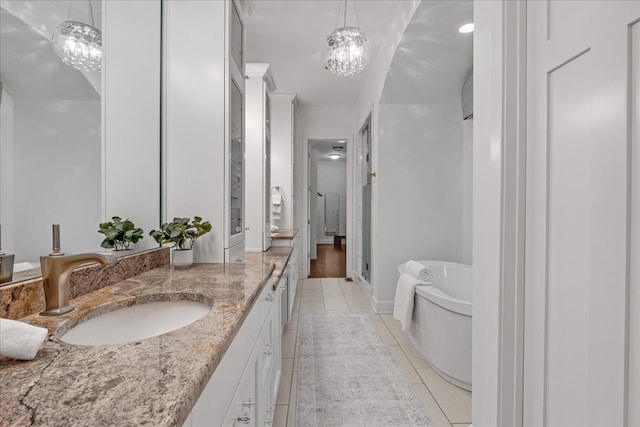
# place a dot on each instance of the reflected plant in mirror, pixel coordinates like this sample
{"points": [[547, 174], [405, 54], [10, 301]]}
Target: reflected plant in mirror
{"points": [[120, 234]]}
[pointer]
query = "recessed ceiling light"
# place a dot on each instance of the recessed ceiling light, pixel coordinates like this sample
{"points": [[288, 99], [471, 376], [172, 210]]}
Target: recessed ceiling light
{"points": [[466, 28], [342, 140], [334, 156]]}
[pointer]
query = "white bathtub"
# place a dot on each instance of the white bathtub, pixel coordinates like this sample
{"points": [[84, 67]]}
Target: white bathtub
{"points": [[441, 325]]}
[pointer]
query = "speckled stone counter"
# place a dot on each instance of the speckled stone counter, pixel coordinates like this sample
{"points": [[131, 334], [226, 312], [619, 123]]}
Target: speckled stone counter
{"points": [[152, 382], [284, 234]]}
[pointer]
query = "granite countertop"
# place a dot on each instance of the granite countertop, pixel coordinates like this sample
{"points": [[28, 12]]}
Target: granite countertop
{"points": [[284, 233], [155, 381]]}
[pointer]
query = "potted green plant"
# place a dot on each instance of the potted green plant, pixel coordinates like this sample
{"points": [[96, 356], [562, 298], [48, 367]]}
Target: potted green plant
{"points": [[119, 234], [181, 234]]}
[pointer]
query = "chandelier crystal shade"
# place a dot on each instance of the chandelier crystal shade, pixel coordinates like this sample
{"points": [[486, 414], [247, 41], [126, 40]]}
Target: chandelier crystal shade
{"points": [[347, 51], [347, 48], [78, 45]]}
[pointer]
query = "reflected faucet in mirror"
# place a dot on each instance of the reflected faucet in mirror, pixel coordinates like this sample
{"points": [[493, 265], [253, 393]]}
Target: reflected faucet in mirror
{"points": [[6, 260]]}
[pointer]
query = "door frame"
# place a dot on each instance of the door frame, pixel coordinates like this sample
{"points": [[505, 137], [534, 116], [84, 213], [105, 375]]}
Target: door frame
{"points": [[306, 262], [499, 161]]}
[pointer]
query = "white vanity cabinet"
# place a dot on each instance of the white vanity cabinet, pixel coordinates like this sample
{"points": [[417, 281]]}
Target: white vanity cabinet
{"points": [[291, 272], [258, 87], [244, 386]]}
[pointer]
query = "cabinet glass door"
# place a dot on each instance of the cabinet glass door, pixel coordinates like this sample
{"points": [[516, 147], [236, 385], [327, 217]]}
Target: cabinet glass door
{"points": [[267, 174], [236, 163]]}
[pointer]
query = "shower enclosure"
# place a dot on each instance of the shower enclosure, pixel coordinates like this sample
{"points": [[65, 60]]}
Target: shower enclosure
{"points": [[365, 194]]}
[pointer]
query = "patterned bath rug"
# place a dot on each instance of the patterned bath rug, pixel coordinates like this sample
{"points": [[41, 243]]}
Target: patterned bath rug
{"points": [[348, 377]]}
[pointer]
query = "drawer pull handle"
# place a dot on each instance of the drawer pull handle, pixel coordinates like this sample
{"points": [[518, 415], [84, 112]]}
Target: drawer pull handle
{"points": [[269, 296], [268, 350], [246, 405], [269, 419]]}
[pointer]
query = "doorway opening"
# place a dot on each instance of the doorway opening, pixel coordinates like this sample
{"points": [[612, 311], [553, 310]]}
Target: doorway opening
{"points": [[327, 203]]}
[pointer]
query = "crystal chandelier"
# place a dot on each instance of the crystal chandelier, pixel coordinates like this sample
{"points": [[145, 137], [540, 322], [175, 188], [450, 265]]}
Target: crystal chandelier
{"points": [[78, 44], [347, 49]]}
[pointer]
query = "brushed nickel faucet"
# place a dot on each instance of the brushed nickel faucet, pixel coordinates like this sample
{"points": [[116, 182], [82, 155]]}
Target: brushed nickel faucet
{"points": [[56, 271]]}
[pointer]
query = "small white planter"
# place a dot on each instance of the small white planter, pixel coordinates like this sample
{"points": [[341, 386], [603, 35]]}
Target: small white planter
{"points": [[181, 258]]}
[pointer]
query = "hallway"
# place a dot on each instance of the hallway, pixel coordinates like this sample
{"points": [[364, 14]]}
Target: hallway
{"points": [[446, 405]]}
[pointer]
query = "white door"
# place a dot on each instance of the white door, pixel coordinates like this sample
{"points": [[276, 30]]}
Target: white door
{"points": [[578, 254]]}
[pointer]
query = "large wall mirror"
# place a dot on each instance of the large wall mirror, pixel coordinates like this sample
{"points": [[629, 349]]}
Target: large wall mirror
{"points": [[77, 147]]}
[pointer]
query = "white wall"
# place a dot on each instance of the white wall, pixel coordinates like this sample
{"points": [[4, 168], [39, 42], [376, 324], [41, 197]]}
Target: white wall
{"points": [[332, 178], [419, 189], [57, 173], [467, 191], [132, 129], [195, 118], [6, 173]]}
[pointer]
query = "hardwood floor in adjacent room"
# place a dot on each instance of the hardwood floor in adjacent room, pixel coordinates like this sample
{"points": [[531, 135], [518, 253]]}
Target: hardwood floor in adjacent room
{"points": [[331, 261]]}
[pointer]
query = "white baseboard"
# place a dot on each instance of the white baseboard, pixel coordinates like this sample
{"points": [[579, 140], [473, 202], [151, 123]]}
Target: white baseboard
{"points": [[378, 306], [382, 306]]}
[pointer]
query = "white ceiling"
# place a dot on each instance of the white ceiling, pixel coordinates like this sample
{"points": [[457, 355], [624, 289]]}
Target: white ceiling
{"points": [[290, 35], [432, 60], [325, 147]]}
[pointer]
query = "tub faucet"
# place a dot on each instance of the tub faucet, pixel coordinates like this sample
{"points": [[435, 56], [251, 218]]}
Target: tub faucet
{"points": [[56, 271]]}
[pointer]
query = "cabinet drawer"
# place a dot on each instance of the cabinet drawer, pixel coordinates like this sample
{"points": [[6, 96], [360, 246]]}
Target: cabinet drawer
{"points": [[211, 407], [265, 302], [266, 352]]}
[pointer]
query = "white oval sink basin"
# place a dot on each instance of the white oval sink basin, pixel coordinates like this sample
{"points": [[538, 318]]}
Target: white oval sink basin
{"points": [[136, 323]]}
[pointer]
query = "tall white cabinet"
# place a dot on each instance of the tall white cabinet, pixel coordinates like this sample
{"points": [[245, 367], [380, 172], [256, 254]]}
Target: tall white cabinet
{"points": [[204, 122], [259, 86]]}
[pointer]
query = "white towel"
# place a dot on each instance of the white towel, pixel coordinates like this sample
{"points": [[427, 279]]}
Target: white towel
{"points": [[276, 199], [276, 209], [20, 340], [403, 305], [419, 271]]}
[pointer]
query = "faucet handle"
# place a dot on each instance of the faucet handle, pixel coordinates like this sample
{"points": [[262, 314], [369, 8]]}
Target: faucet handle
{"points": [[56, 241]]}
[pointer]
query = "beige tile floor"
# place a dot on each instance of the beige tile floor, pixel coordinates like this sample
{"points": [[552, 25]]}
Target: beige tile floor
{"points": [[446, 404]]}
